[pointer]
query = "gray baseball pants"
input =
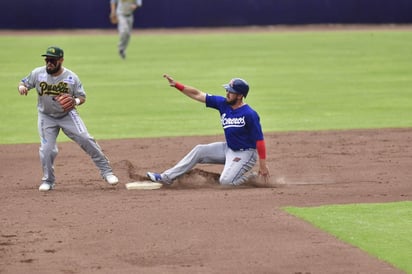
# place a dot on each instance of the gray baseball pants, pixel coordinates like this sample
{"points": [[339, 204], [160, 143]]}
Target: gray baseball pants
{"points": [[236, 163], [125, 27], [73, 126]]}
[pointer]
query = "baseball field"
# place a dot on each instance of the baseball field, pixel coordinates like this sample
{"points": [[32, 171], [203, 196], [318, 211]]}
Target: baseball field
{"points": [[335, 107]]}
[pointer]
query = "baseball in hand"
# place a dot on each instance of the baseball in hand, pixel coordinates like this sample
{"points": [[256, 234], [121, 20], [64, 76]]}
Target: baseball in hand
{"points": [[22, 90]]}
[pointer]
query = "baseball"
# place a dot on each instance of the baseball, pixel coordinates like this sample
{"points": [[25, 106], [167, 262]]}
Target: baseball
{"points": [[22, 90]]}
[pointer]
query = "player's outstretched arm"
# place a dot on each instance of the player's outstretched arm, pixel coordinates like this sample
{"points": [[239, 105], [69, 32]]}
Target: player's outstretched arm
{"points": [[189, 91]]}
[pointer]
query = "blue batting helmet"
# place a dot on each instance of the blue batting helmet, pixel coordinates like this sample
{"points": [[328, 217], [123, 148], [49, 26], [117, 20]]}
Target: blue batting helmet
{"points": [[237, 85]]}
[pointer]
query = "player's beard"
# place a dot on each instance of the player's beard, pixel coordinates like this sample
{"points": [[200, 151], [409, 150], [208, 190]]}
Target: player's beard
{"points": [[231, 102], [53, 71]]}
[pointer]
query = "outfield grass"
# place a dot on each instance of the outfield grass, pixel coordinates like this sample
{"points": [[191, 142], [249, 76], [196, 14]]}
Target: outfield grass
{"points": [[382, 230], [299, 81]]}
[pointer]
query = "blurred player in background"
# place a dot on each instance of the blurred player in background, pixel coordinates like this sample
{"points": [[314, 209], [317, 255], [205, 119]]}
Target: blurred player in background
{"points": [[121, 13]]}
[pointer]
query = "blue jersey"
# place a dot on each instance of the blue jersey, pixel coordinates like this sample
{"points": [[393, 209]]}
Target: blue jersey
{"points": [[241, 126]]}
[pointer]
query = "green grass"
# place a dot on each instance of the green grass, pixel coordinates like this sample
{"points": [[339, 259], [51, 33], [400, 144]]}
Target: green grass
{"points": [[299, 81], [382, 230]]}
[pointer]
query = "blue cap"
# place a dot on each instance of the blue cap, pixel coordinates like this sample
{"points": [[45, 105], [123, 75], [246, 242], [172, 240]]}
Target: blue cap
{"points": [[237, 85]]}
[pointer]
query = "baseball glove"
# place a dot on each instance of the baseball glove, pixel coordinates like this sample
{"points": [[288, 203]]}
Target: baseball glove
{"points": [[113, 19], [66, 101]]}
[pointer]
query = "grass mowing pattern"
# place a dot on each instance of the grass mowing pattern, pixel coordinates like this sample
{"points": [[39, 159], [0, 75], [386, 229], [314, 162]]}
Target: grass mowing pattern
{"points": [[299, 81], [382, 230]]}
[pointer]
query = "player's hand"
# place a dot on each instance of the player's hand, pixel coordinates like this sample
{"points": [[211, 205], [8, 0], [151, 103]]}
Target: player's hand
{"points": [[113, 18], [264, 173], [23, 90], [172, 82]]}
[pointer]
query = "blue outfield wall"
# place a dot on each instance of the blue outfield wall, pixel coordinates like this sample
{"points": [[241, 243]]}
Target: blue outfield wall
{"points": [[74, 14]]}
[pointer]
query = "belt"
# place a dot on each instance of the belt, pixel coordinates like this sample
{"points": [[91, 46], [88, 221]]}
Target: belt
{"points": [[246, 149]]}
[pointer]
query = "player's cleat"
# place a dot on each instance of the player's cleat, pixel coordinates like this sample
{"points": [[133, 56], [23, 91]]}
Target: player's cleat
{"points": [[122, 54], [111, 179], [46, 186], [154, 177]]}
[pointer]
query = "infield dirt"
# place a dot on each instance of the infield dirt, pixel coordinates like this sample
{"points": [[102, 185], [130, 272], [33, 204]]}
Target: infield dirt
{"points": [[196, 226]]}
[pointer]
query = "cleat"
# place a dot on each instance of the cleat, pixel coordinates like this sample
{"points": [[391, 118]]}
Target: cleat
{"points": [[111, 179], [154, 177], [46, 186]]}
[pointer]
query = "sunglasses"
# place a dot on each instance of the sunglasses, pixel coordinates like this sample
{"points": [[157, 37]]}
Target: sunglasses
{"points": [[51, 60]]}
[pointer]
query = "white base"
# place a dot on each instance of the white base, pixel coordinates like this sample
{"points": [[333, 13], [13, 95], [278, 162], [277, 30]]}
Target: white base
{"points": [[143, 185]]}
